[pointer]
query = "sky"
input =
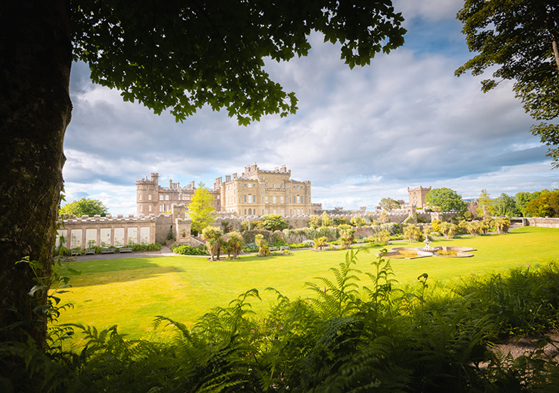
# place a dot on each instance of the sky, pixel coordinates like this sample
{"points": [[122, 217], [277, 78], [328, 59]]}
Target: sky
{"points": [[359, 135]]}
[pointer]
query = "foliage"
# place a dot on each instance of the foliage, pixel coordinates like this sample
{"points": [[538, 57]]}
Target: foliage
{"points": [[320, 243], [436, 225], [392, 227], [520, 38], [412, 233], [384, 218], [485, 205], [200, 209], [445, 199], [355, 332], [382, 237], [347, 234], [522, 199], [339, 221], [502, 224], [545, 205], [505, 205], [252, 225], [189, 250], [234, 244], [262, 244], [357, 221], [83, 207], [274, 222], [449, 230], [213, 237], [389, 204], [315, 222], [326, 222], [232, 39]]}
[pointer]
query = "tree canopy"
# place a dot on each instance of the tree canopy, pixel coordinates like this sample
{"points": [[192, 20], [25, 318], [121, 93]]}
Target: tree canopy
{"points": [[545, 205], [522, 199], [389, 204], [82, 207], [519, 39], [182, 55], [274, 222], [200, 209], [445, 199], [505, 205]]}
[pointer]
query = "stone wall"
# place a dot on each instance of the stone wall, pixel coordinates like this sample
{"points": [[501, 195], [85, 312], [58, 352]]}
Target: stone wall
{"points": [[107, 231], [543, 222]]}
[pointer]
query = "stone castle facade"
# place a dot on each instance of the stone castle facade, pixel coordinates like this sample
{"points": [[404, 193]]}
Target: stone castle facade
{"points": [[255, 192], [417, 196]]}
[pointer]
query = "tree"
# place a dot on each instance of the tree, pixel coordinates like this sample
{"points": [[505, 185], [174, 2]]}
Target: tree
{"points": [[84, 206], [505, 205], [213, 237], [200, 209], [315, 222], [389, 204], [175, 55], [234, 244], [485, 204], [522, 199], [546, 205], [521, 37], [445, 199], [274, 222], [326, 222]]}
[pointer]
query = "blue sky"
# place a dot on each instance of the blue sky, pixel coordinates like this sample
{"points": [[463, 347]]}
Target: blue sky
{"points": [[359, 135]]}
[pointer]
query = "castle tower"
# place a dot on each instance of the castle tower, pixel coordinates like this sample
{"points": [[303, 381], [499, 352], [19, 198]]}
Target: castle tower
{"points": [[417, 195], [146, 195]]}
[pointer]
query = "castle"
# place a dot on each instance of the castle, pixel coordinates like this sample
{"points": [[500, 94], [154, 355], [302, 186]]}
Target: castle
{"points": [[256, 192], [417, 196]]}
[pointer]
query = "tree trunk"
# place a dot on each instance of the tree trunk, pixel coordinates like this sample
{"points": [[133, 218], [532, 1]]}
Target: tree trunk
{"points": [[35, 109]]}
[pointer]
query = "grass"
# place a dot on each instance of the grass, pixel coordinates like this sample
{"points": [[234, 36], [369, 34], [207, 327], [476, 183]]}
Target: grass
{"points": [[131, 292]]}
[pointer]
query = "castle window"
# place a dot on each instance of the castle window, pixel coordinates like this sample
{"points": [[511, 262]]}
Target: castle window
{"points": [[275, 211], [274, 185], [281, 199], [140, 197], [266, 199], [282, 212], [249, 198], [160, 197], [274, 200], [266, 185], [254, 199], [160, 208], [281, 185], [141, 207], [266, 211], [166, 197], [245, 200], [250, 212], [302, 197], [245, 212], [245, 185], [298, 199], [149, 207], [149, 197]]}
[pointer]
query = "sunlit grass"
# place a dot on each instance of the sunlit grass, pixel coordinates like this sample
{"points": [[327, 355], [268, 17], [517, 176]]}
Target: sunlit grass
{"points": [[131, 292]]}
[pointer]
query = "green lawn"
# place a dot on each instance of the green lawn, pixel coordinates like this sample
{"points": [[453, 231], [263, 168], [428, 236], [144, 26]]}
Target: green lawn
{"points": [[131, 292]]}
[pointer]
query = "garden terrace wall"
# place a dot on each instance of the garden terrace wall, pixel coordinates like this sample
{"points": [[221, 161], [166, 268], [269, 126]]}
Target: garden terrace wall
{"points": [[543, 222], [109, 231]]}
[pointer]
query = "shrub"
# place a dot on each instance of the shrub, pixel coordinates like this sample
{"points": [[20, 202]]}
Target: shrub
{"points": [[262, 244], [188, 250]]}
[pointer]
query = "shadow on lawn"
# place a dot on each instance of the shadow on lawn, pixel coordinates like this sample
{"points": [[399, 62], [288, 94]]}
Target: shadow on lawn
{"points": [[100, 272]]}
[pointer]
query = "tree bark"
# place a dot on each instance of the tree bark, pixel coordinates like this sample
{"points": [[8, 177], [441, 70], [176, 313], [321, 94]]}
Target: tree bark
{"points": [[35, 109]]}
